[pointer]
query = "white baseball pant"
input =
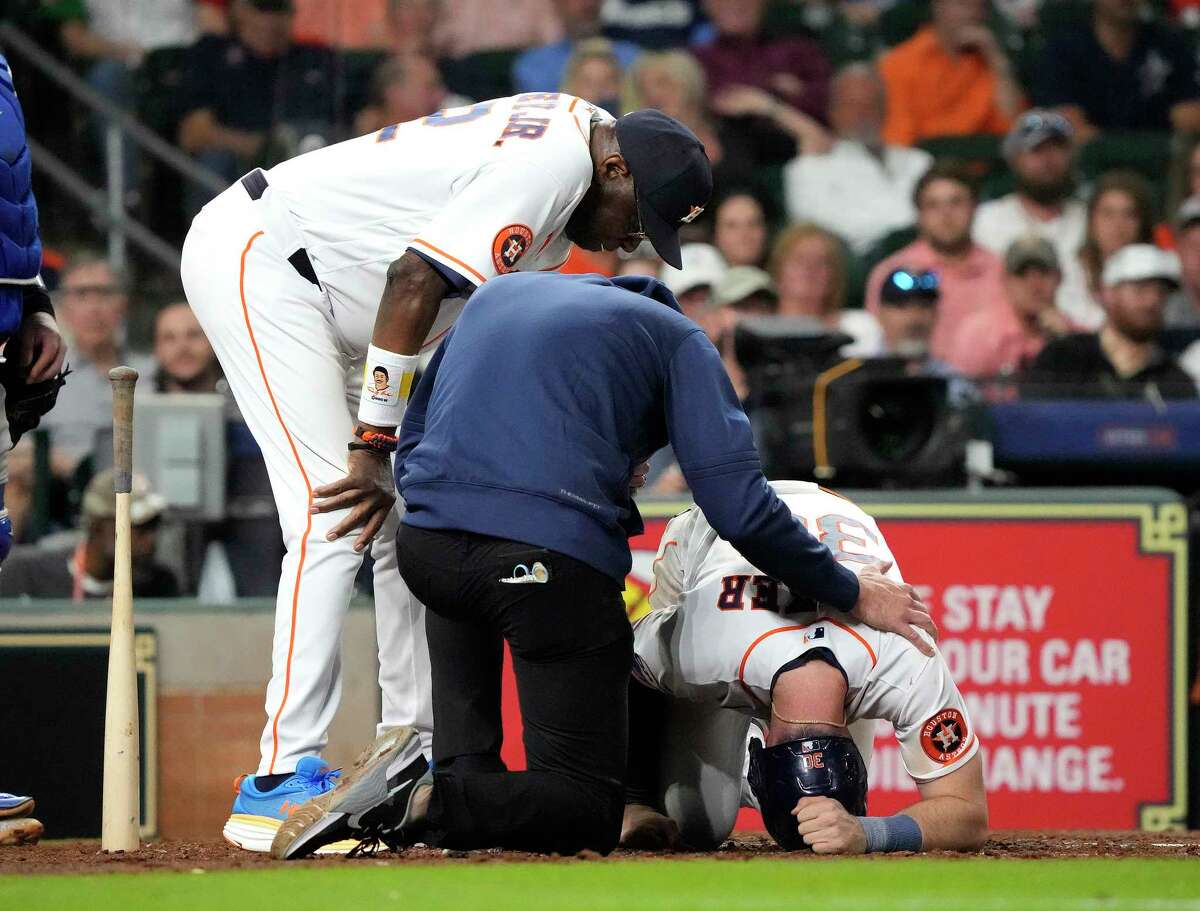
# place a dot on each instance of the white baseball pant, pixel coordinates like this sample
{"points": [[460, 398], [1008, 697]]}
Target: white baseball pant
{"points": [[297, 385]]}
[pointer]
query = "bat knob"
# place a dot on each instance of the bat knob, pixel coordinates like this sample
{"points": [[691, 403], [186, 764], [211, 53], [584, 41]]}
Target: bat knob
{"points": [[123, 375]]}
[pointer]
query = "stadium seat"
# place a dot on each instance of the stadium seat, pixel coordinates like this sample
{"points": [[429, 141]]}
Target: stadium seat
{"points": [[487, 74], [979, 153], [156, 86]]}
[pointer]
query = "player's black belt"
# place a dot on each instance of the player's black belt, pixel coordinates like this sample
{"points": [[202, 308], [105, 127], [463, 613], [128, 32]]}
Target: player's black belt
{"points": [[256, 185]]}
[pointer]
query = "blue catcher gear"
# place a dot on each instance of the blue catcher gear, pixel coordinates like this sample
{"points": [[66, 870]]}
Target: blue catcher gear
{"points": [[826, 766], [20, 247]]}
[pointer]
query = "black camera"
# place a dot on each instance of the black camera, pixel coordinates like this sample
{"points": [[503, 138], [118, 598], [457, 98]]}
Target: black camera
{"points": [[874, 422]]}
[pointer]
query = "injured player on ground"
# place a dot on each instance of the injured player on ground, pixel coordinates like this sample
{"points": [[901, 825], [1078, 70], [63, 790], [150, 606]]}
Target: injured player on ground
{"points": [[723, 647]]}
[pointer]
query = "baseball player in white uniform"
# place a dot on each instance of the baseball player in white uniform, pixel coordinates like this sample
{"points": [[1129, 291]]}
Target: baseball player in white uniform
{"points": [[729, 646], [320, 283]]}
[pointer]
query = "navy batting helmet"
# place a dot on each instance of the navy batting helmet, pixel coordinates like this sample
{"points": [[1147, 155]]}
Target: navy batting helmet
{"points": [[826, 766]]}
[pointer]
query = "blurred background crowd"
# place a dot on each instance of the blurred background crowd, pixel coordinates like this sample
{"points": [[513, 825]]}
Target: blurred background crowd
{"points": [[941, 229]]}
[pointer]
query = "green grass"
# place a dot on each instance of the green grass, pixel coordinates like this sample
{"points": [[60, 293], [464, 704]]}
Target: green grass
{"points": [[706, 885]]}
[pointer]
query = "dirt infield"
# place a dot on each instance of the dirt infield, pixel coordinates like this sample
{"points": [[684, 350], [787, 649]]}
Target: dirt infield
{"points": [[86, 857]]}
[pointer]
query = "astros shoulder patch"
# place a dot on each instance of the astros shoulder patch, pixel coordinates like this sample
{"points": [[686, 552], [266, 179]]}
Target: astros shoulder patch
{"points": [[944, 737], [510, 245]]}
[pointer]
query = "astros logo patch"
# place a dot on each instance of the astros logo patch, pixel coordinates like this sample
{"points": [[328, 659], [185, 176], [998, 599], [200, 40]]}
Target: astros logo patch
{"points": [[509, 246], [944, 737]]}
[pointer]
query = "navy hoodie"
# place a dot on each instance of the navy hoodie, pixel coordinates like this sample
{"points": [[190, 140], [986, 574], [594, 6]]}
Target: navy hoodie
{"points": [[550, 388]]}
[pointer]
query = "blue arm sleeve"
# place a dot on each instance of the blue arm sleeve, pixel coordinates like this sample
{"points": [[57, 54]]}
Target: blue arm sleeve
{"points": [[412, 428], [715, 448]]}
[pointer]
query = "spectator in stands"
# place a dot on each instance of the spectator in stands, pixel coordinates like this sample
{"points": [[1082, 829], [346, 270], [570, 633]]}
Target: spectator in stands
{"points": [[852, 183], [1040, 151], [656, 24], [402, 89], [743, 291], [212, 17], [91, 308], [1184, 179], [541, 69], [254, 97], [1120, 73], [970, 277], [185, 359], [907, 313], [412, 25], [1003, 341], [359, 26], [1183, 307], [1120, 212], [908, 304], [740, 230], [809, 269], [594, 74], [1123, 360], [674, 83], [744, 62], [694, 284], [466, 27], [951, 78], [640, 264], [111, 38], [249, 535], [83, 569]]}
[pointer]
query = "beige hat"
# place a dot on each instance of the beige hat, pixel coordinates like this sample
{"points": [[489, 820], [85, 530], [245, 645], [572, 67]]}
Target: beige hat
{"points": [[1030, 251], [99, 501], [703, 266], [1138, 262], [740, 282]]}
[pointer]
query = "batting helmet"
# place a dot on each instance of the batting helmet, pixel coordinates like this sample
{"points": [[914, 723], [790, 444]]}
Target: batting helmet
{"points": [[826, 766]]}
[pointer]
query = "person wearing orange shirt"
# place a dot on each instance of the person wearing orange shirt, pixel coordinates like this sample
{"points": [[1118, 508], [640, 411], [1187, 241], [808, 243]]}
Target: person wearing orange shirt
{"points": [[950, 78]]}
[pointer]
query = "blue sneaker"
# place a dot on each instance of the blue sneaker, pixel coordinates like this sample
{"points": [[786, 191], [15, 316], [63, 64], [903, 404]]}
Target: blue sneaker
{"points": [[13, 806], [257, 815]]}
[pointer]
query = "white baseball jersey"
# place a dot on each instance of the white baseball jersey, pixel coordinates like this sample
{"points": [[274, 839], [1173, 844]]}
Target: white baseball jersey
{"points": [[719, 632], [482, 190]]}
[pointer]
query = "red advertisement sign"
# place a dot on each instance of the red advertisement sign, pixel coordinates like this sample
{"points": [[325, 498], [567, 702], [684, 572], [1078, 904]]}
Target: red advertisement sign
{"points": [[1064, 625]]}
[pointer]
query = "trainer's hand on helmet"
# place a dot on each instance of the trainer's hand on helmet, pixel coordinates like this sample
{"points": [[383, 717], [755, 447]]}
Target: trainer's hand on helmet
{"points": [[369, 488], [893, 607], [827, 828]]}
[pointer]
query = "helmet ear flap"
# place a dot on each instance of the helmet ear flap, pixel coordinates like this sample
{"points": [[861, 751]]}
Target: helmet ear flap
{"points": [[776, 797], [781, 775]]}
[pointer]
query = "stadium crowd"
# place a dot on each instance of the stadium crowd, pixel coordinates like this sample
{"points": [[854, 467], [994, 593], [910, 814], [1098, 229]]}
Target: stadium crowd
{"points": [[1003, 193]]}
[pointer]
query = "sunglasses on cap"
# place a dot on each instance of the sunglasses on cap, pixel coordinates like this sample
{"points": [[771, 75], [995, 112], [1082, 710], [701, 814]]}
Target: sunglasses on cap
{"points": [[905, 287]]}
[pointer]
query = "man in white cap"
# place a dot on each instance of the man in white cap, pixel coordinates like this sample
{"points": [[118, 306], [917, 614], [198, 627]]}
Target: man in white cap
{"points": [[693, 285], [1123, 360]]}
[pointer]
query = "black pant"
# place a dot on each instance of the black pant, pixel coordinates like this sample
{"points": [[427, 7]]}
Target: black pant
{"points": [[572, 649]]}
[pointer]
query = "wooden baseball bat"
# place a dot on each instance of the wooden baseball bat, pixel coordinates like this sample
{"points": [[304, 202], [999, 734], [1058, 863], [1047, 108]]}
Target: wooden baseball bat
{"points": [[121, 814]]}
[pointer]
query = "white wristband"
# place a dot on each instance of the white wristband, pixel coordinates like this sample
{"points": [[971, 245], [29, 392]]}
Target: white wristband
{"points": [[387, 383]]}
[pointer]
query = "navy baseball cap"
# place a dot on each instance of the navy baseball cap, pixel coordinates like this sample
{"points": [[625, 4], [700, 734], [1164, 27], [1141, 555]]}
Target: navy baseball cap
{"points": [[671, 175]]}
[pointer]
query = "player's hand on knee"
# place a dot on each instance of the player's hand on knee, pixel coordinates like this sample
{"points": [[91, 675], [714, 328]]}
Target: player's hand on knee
{"points": [[645, 829], [368, 491], [828, 828], [893, 607]]}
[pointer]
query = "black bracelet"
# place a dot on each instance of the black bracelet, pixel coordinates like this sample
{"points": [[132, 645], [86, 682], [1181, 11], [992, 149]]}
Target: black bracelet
{"points": [[358, 446]]}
